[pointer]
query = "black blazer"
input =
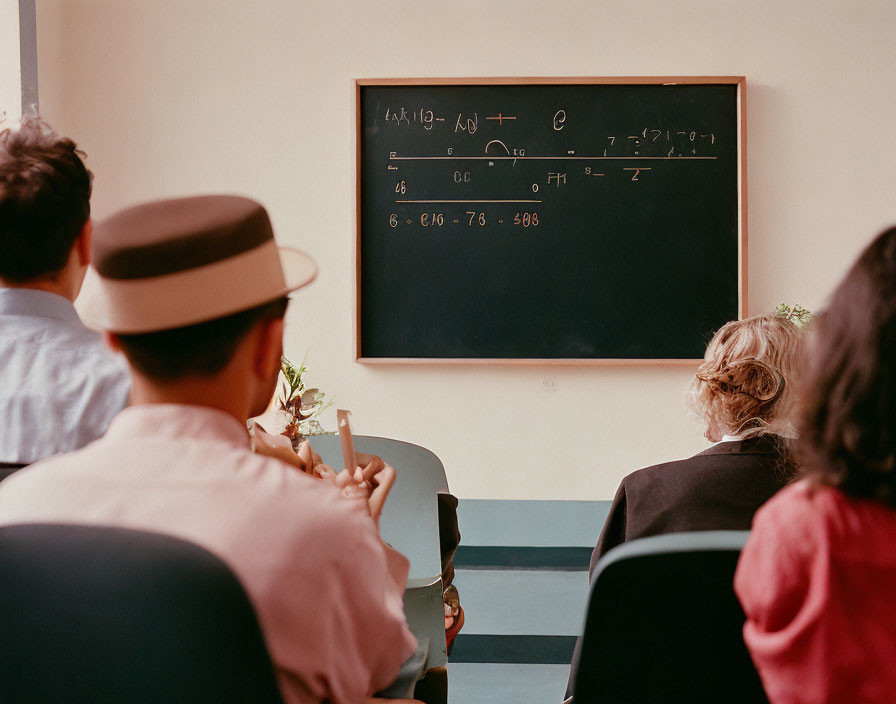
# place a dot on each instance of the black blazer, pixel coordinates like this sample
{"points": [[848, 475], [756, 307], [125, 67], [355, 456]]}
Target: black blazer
{"points": [[718, 489]]}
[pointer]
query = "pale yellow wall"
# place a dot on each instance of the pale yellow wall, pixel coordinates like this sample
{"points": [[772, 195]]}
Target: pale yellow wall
{"points": [[10, 74], [257, 98]]}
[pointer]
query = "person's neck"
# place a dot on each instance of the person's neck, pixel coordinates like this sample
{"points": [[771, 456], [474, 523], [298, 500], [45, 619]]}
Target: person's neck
{"points": [[64, 283], [220, 391], [45, 286]]}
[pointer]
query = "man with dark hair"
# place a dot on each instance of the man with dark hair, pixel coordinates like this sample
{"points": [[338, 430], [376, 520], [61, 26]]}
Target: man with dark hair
{"points": [[59, 385], [193, 291]]}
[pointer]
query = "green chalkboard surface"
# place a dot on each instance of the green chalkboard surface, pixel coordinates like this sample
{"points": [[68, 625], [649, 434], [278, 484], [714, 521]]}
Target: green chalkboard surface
{"points": [[576, 219]]}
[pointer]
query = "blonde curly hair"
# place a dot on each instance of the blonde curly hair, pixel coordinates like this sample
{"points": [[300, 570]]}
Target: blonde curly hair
{"points": [[746, 383]]}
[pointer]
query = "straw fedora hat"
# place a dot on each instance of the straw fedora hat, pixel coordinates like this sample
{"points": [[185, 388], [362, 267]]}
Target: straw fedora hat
{"points": [[172, 263]]}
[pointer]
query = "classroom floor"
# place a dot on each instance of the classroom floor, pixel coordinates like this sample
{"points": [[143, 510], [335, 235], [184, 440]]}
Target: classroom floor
{"points": [[522, 575], [489, 683]]}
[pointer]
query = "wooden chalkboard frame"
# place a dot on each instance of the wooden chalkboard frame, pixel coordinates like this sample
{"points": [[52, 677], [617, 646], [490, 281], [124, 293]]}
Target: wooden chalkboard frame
{"points": [[738, 81]]}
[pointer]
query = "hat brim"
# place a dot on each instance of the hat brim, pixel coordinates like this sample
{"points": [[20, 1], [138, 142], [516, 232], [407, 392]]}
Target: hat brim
{"points": [[299, 269], [196, 295]]}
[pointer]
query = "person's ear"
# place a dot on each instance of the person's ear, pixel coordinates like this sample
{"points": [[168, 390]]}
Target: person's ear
{"points": [[82, 243], [111, 341], [269, 348]]}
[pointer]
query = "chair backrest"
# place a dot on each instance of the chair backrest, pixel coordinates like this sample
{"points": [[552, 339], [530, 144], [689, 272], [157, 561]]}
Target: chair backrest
{"points": [[664, 624], [100, 614], [410, 523]]}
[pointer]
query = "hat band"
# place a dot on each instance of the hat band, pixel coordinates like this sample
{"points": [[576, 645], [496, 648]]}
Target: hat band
{"points": [[187, 297]]}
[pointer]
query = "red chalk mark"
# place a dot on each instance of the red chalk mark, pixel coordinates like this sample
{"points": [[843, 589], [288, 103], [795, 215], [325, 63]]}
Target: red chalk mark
{"points": [[500, 118]]}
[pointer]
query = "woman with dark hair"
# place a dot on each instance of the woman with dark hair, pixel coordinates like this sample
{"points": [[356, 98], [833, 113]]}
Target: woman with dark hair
{"points": [[817, 578]]}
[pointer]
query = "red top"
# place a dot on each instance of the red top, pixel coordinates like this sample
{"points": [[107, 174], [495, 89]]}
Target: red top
{"points": [[817, 580]]}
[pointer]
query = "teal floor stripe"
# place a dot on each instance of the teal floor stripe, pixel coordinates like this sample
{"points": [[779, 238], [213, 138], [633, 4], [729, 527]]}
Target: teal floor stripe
{"points": [[507, 557], [543, 650]]}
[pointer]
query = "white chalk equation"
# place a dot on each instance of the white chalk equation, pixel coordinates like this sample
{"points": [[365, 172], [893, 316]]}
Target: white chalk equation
{"points": [[648, 141], [472, 168]]}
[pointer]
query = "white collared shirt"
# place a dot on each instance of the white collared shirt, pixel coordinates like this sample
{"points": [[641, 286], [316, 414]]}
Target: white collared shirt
{"points": [[59, 385]]}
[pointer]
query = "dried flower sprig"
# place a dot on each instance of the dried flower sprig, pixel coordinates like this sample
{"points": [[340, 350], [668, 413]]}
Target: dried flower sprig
{"points": [[301, 404]]}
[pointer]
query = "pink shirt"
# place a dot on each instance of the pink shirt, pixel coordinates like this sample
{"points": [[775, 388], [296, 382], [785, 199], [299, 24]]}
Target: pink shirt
{"points": [[817, 580], [327, 591]]}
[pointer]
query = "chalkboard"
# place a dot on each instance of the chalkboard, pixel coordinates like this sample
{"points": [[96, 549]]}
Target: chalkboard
{"points": [[568, 220]]}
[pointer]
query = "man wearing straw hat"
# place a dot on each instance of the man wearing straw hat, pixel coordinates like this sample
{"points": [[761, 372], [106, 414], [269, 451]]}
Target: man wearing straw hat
{"points": [[193, 291]]}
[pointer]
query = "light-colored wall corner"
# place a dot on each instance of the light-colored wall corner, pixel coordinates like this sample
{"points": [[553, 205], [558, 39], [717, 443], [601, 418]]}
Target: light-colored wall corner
{"points": [[174, 97], [28, 56]]}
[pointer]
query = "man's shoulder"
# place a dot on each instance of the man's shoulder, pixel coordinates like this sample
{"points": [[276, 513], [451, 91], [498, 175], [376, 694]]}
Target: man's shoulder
{"points": [[65, 344], [277, 498], [40, 480], [102, 360]]}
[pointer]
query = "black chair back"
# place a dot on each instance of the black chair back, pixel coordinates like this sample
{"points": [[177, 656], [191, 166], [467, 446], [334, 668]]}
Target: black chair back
{"points": [[664, 625], [98, 614]]}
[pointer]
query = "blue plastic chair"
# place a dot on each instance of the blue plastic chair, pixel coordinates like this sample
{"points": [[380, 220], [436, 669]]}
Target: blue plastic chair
{"points": [[410, 524]]}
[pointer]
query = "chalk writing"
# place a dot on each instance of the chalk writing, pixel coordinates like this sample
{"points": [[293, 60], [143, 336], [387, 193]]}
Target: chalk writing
{"points": [[396, 117], [559, 120], [606, 158], [432, 219], [556, 178], [469, 124], [637, 171], [500, 118], [499, 143], [402, 117], [526, 219]]}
